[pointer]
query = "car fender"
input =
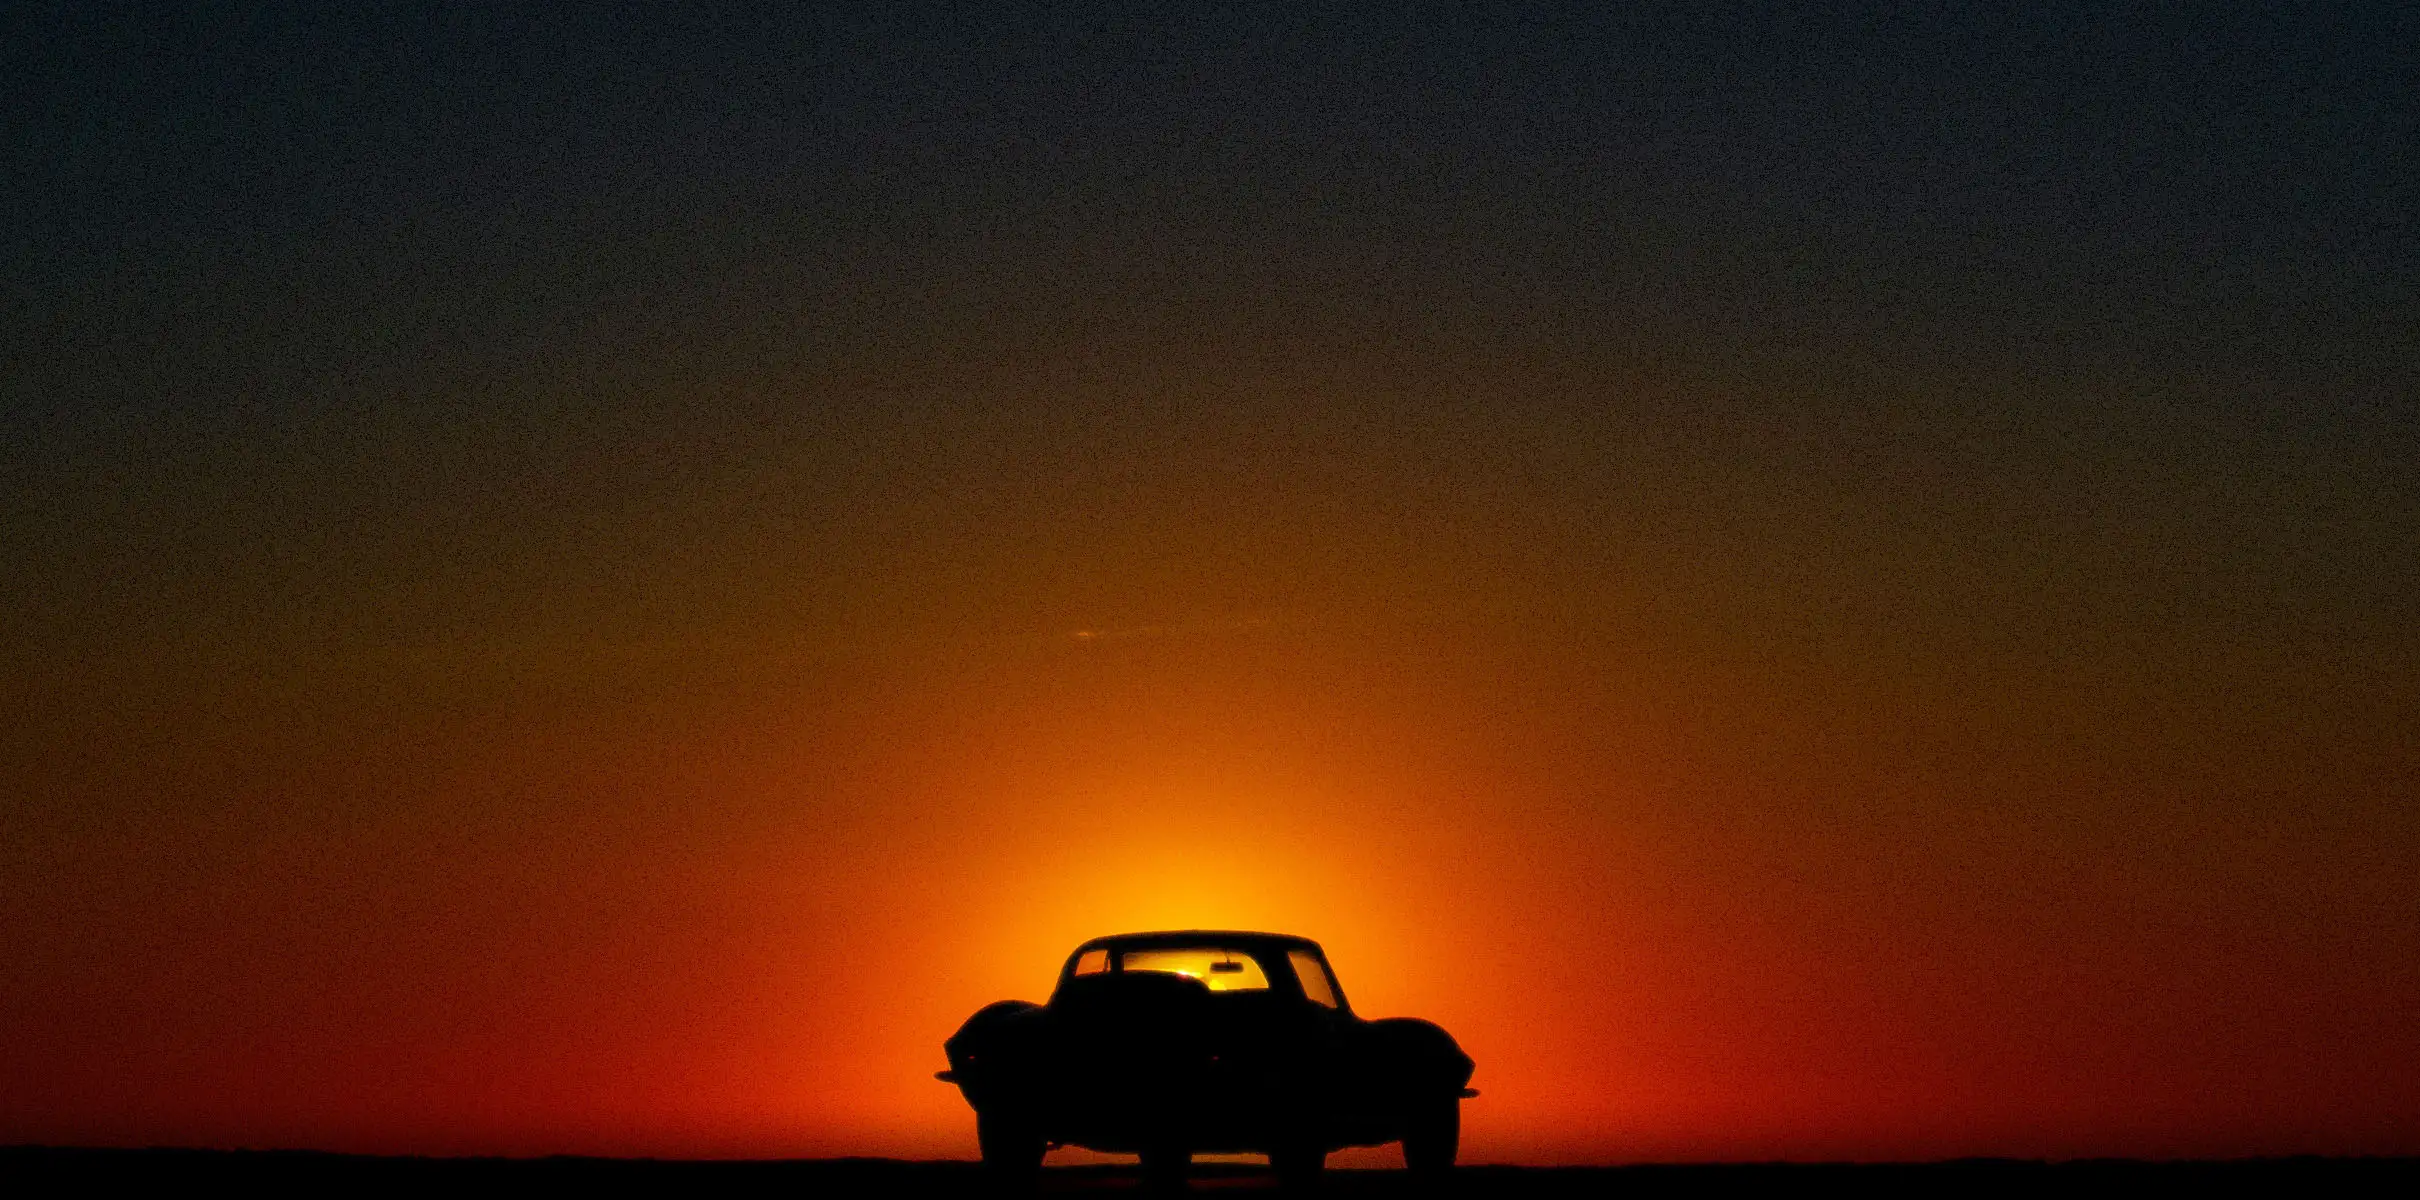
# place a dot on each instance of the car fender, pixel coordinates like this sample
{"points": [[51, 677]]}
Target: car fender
{"points": [[988, 1030], [988, 1046], [1420, 1054]]}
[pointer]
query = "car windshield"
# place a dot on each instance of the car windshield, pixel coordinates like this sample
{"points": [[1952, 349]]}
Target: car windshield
{"points": [[1224, 969]]}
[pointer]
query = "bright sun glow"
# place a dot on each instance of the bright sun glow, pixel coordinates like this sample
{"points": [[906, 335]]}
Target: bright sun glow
{"points": [[1223, 970]]}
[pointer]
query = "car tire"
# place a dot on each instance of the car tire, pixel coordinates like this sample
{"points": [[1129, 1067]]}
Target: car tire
{"points": [[1298, 1166], [1165, 1168], [1434, 1137], [1012, 1149]]}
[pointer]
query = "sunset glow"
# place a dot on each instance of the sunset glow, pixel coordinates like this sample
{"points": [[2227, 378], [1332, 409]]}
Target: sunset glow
{"points": [[1809, 586]]}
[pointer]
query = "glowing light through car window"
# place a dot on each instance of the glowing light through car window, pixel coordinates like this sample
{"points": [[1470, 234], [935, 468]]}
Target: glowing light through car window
{"points": [[1313, 976], [1223, 970]]}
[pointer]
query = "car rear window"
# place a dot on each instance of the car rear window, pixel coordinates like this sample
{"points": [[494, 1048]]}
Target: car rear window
{"points": [[1223, 969]]}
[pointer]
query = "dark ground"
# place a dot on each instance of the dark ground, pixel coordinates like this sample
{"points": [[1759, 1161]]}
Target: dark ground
{"points": [[26, 1171]]}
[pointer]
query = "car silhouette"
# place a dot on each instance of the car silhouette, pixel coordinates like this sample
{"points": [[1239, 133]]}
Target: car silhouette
{"points": [[1168, 1045]]}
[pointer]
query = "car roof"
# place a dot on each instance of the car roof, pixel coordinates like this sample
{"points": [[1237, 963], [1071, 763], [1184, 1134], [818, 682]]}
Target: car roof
{"points": [[1238, 938]]}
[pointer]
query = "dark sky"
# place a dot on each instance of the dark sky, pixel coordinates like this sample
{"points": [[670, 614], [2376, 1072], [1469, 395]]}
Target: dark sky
{"points": [[244, 240], [2009, 415]]}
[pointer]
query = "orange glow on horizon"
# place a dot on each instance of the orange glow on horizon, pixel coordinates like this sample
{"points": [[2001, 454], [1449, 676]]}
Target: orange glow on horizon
{"points": [[1809, 584], [1676, 901]]}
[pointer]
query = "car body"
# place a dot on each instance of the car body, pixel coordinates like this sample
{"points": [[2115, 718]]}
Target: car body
{"points": [[1191, 1042]]}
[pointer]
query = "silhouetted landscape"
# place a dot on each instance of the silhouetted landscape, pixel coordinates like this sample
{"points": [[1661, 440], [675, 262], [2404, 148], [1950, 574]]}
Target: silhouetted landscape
{"points": [[279, 1172]]}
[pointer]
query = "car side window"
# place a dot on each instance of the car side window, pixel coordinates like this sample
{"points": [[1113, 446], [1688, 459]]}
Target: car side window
{"points": [[1092, 962], [1314, 977]]}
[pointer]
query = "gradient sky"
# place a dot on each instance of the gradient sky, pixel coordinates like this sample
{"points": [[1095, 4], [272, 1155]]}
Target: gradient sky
{"points": [[1810, 584]]}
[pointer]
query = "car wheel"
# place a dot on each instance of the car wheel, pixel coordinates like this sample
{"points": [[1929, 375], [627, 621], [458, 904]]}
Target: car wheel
{"points": [[1165, 1168], [1434, 1137], [1011, 1148], [1298, 1166]]}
